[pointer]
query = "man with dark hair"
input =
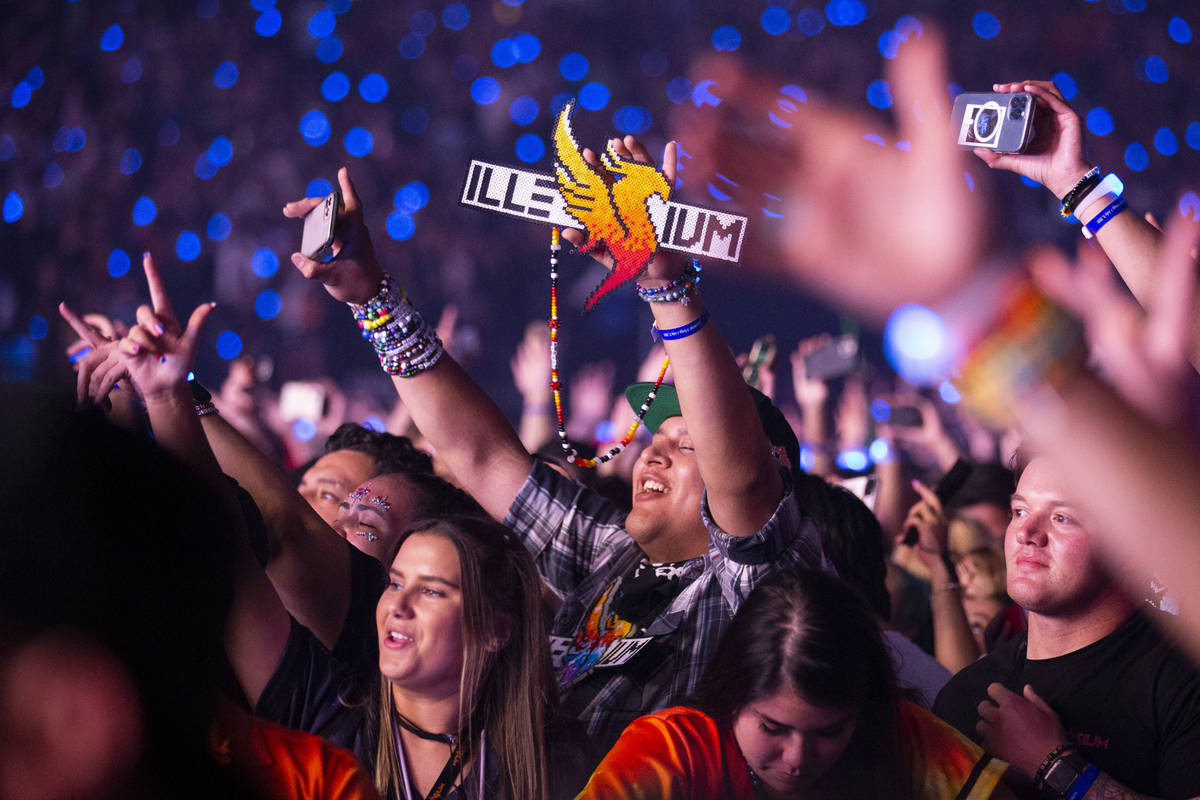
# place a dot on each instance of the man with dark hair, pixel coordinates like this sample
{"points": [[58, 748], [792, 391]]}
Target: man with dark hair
{"points": [[354, 453], [1093, 694]]}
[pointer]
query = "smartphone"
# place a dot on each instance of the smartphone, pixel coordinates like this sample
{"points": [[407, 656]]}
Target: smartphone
{"points": [[1000, 121], [317, 241], [301, 400], [762, 356], [833, 360], [946, 488], [906, 416]]}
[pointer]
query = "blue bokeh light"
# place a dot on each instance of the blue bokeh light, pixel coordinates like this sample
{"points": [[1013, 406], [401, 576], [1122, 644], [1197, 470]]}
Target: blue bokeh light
{"points": [[523, 110], [53, 176], [504, 53], [264, 263], [204, 169], [949, 393], [485, 90], [985, 25], [775, 20], [373, 87], [314, 127], [329, 49], [918, 344], [335, 87], [422, 22], [226, 75], [1189, 206], [593, 96], [889, 44], [411, 197], [14, 207], [358, 142], [35, 78], [1156, 70], [1099, 121], [632, 119], [845, 13], [1136, 157], [679, 89], [262, 5], [414, 120], [1136, 6], [879, 450], [304, 429], [220, 151], [187, 246], [559, 100], [530, 148], [1066, 84], [879, 94], [573, 66], [268, 304], [727, 38], [527, 47], [908, 25], [881, 410], [1179, 30], [412, 46], [112, 39], [268, 23], [853, 460], [338, 6], [39, 328], [322, 24], [76, 139], [219, 227], [21, 95], [1165, 142], [131, 70], [144, 211], [318, 187], [1191, 135], [229, 345], [400, 226], [456, 16], [810, 21], [118, 263]]}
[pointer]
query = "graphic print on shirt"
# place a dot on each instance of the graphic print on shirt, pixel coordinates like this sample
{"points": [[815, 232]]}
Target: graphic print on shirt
{"points": [[606, 640]]}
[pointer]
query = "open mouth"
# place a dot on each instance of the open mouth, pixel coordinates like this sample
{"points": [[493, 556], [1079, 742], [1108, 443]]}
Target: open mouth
{"points": [[396, 637], [650, 485]]}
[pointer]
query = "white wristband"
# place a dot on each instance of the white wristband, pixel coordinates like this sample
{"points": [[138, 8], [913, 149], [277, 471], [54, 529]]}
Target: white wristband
{"points": [[1111, 185]]}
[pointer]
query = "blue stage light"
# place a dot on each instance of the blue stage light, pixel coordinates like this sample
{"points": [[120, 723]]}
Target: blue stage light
{"points": [[726, 38], [632, 119], [1066, 84], [318, 187], [527, 47], [187, 246], [412, 46], [53, 175], [1179, 30], [845, 13], [322, 24], [593, 96], [879, 94], [329, 49], [39, 328], [229, 345], [1156, 70], [400, 226], [530, 148], [219, 227], [314, 127], [14, 207], [264, 263], [118, 263], [144, 211], [456, 16], [358, 142], [268, 23], [1136, 157], [485, 90], [226, 75], [1165, 142], [810, 21], [985, 25], [220, 151], [1099, 121], [373, 87], [411, 197], [112, 39], [523, 110], [573, 66], [775, 20], [335, 87], [268, 304]]}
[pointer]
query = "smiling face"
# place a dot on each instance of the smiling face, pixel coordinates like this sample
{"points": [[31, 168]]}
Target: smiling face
{"points": [[419, 619], [1052, 569], [334, 475], [373, 515], [667, 487], [790, 743]]}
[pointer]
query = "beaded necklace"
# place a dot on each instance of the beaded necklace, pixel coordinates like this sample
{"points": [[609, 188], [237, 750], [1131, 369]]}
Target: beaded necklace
{"points": [[556, 384]]}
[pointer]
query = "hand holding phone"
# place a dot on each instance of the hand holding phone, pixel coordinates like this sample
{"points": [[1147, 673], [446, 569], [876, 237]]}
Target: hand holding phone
{"points": [[833, 360], [317, 240]]}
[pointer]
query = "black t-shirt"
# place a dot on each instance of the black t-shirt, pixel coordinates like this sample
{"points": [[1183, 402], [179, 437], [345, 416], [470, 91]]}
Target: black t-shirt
{"points": [[358, 644], [1131, 702], [617, 620]]}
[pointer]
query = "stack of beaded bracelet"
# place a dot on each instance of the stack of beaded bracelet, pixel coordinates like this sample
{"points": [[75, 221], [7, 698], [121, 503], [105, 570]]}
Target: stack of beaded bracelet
{"points": [[1078, 191], [556, 385], [679, 289], [406, 344]]}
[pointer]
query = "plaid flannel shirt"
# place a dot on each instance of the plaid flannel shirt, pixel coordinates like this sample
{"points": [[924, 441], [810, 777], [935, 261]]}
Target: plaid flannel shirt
{"points": [[581, 547]]}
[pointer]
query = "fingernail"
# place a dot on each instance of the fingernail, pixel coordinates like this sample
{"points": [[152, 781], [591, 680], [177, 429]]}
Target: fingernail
{"points": [[297, 259], [145, 254], [158, 328], [213, 304], [137, 348]]}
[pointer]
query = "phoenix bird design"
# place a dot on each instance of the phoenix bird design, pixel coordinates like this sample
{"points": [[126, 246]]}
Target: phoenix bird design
{"points": [[611, 203]]}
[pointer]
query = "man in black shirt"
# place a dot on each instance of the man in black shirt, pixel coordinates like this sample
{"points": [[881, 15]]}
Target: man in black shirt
{"points": [[1093, 674]]}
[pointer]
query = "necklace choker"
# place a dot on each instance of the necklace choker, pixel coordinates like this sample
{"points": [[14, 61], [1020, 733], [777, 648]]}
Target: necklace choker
{"points": [[416, 730]]}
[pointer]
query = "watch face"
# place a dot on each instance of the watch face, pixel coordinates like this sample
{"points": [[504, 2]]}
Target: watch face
{"points": [[1061, 775]]}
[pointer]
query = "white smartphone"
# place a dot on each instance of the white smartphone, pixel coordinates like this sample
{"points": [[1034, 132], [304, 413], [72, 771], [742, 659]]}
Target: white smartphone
{"points": [[317, 241]]}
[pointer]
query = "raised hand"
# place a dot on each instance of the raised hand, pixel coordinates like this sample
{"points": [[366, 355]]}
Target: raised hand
{"points": [[1143, 354], [810, 393], [157, 352], [1055, 157], [867, 226], [99, 364], [933, 532], [353, 274]]}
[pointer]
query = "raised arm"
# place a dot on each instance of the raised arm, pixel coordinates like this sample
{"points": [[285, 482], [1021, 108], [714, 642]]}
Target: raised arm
{"points": [[1056, 159], [468, 430], [158, 354], [740, 475]]}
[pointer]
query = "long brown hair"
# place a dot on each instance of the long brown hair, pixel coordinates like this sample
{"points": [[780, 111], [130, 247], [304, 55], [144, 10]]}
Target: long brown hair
{"points": [[810, 632], [508, 691]]}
